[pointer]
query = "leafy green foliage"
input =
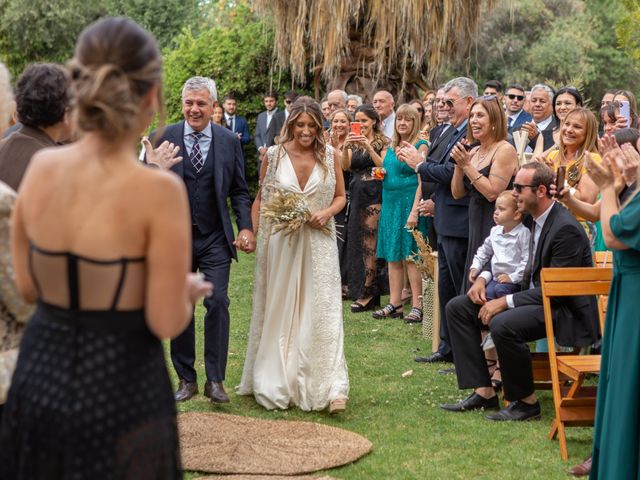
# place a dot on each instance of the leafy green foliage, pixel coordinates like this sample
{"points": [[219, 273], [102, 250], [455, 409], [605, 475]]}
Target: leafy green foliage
{"points": [[562, 42]]}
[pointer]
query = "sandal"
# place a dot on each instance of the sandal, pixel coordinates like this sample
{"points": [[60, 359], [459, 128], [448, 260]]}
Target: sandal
{"points": [[357, 307], [339, 405], [389, 311], [415, 316]]}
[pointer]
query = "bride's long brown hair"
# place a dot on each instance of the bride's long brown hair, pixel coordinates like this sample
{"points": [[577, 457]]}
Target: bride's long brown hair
{"points": [[309, 106]]}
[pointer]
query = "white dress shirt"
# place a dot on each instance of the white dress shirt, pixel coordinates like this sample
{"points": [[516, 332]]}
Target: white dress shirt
{"points": [[230, 120], [539, 223], [544, 123], [508, 251], [389, 125]]}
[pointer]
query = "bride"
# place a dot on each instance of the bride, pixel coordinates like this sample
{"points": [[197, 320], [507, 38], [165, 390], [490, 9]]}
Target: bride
{"points": [[295, 353]]}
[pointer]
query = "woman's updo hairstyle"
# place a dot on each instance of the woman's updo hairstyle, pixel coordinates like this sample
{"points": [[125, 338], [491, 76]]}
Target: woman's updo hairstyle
{"points": [[116, 63]]}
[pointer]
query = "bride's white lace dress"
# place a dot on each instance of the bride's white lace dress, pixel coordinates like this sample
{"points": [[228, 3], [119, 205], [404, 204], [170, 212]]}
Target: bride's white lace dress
{"points": [[295, 354]]}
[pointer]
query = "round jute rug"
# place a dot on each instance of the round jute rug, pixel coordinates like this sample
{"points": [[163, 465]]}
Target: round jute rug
{"points": [[221, 443], [264, 477]]}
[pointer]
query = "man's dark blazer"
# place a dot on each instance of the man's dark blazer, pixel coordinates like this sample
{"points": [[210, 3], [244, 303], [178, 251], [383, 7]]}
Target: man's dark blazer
{"points": [[278, 122], [242, 127], [225, 157], [522, 118], [563, 243], [451, 216], [547, 137], [264, 137]]}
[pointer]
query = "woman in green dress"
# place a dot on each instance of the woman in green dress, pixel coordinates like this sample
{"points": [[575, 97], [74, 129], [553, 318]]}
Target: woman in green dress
{"points": [[400, 195], [616, 442]]}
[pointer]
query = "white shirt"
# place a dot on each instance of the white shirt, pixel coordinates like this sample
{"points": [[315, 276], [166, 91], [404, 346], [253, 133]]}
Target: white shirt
{"points": [[544, 123], [270, 115], [389, 125], [508, 251], [539, 223], [231, 121]]}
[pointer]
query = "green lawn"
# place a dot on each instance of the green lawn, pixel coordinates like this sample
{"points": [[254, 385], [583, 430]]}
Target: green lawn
{"points": [[412, 437]]}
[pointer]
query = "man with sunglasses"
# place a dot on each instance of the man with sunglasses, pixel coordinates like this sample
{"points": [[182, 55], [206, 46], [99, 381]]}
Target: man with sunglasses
{"points": [[557, 240], [451, 216], [516, 115]]}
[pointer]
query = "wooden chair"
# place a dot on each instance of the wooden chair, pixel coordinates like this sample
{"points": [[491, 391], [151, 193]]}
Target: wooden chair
{"points": [[540, 360], [575, 403]]}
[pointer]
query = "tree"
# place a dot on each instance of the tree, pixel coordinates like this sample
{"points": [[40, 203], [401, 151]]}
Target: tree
{"points": [[357, 45]]}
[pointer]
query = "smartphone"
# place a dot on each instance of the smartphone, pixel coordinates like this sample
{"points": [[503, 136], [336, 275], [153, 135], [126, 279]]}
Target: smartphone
{"points": [[625, 111], [560, 178], [356, 128]]}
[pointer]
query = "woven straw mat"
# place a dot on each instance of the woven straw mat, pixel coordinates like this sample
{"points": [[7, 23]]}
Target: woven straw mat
{"points": [[221, 443]]}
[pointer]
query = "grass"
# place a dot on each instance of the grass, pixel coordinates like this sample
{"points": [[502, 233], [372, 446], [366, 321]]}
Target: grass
{"points": [[412, 437]]}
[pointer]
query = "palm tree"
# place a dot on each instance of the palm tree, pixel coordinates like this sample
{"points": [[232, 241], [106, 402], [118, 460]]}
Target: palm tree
{"points": [[360, 45]]}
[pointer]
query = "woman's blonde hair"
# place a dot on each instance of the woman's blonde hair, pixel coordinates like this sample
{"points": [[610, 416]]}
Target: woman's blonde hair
{"points": [[116, 63], [411, 113]]}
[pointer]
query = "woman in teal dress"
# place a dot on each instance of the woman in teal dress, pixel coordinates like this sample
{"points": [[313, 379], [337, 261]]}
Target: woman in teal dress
{"points": [[400, 194], [616, 442]]}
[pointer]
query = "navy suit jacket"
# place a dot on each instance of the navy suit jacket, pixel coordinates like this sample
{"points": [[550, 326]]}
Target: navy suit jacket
{"points": [[242, 127], [264, 137], [225, 157], [451, 216], [522, 118]]}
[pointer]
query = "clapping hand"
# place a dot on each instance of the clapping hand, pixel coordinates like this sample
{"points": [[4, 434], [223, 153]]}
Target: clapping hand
{"points": [[198, 287], [165, 156], [409, 154], [531, 129], [630, 163], [460, 155], [602, 174]]}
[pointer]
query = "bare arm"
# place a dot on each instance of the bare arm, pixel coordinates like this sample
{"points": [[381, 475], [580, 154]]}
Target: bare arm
{"points": [[20, 255], [502, 169]]}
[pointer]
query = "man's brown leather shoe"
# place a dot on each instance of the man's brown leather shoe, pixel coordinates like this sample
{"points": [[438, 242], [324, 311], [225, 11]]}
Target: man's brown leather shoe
{"points": [[185, 390], [215, 391], [582, 469]]}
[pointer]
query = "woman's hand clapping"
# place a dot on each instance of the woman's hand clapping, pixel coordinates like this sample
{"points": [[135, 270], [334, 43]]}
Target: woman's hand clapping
{"points": [[460, 155], [602, 174]]}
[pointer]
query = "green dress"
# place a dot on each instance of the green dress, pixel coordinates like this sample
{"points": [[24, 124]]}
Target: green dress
{"points": [[616, 441], [395, 242]]}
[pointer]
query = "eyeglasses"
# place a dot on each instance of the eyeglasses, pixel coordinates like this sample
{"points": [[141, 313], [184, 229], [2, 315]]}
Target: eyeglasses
{"points": [[450, 103], [511, 96], [518, 187]]}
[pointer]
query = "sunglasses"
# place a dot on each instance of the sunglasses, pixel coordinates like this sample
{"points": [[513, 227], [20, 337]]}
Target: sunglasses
{"points": [[450, 103], [518, 187], [287, 102], [511, 96]]}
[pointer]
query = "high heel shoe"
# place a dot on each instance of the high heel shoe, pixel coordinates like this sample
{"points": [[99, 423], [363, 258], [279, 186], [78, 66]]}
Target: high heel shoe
{"points": [[357, 307], [389, 311]]}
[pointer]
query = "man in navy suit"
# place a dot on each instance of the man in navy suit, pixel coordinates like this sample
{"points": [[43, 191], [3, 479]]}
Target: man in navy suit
{"points": [[213, 170], [235, 123], [516, 115], [451, 216]]}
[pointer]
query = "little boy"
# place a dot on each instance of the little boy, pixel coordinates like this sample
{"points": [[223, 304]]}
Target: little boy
{"points": [[507, 246]]}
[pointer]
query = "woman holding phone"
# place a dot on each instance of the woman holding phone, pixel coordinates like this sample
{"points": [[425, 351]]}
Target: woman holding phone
{"points": [[363, 148], [401, 193]]}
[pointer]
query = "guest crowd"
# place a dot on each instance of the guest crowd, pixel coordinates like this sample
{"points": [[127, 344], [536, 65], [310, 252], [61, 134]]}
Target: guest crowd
{"points": [[448, 166]]}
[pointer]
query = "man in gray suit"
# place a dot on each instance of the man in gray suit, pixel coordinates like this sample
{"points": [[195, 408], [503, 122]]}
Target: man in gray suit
{"points": [[265, 126]]}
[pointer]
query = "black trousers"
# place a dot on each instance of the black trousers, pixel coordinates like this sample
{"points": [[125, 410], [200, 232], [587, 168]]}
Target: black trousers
{"points": [[211, 257], [510, 331], [452, 254]]}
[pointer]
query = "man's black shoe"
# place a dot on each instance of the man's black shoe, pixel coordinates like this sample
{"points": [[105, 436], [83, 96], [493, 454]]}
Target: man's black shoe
{"points": [[185, 390], [473, 402], [434, 358], [517, 411]]}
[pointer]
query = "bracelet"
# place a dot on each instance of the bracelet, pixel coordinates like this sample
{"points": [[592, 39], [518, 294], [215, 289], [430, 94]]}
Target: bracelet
{"points": [[476, 179]]}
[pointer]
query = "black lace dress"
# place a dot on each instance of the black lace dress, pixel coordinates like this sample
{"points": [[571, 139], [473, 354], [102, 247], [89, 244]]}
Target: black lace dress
{"points": [[366, 274], [90, 397]]}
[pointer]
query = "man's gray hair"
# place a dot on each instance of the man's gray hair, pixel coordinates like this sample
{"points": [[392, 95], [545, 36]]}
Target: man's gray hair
{"points": [[357, 98], [201, 83], [342, 93], [546, 88], [466, 87]]}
